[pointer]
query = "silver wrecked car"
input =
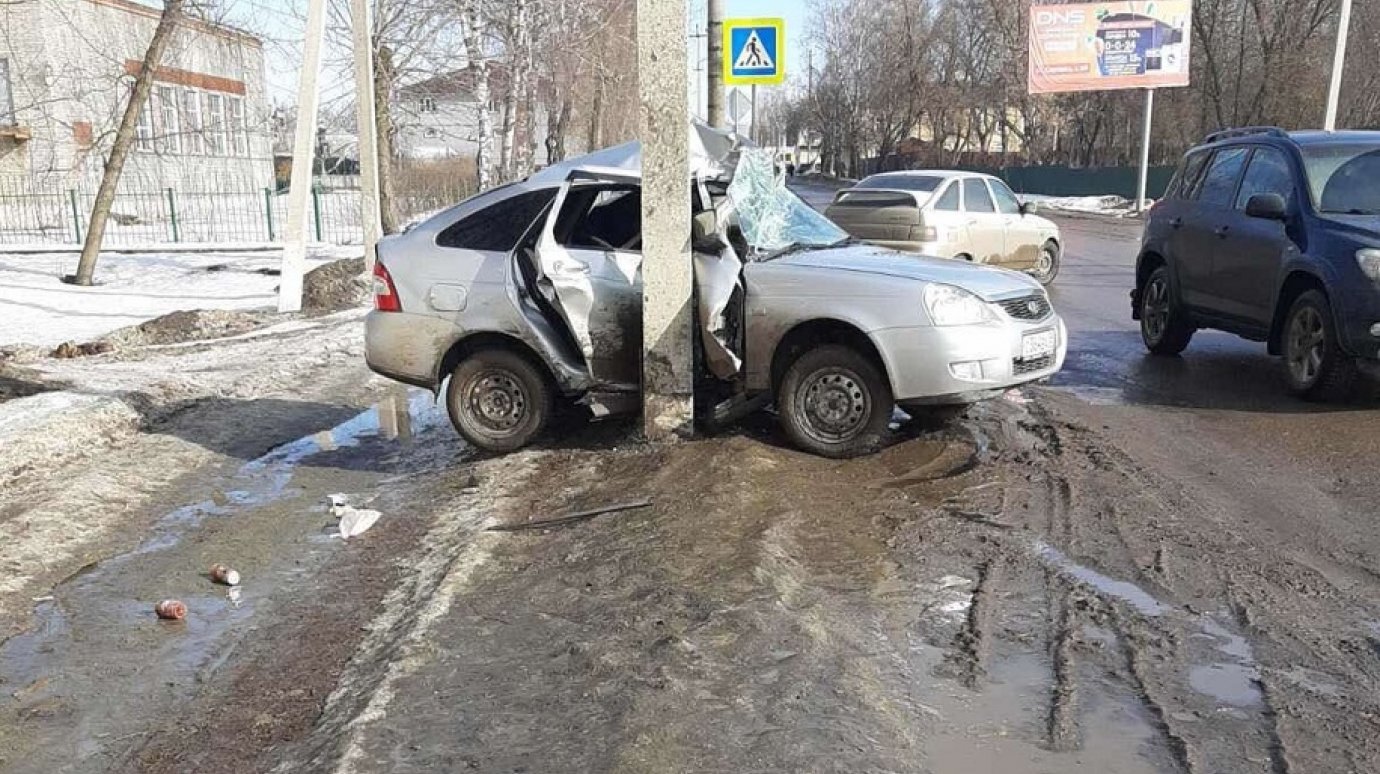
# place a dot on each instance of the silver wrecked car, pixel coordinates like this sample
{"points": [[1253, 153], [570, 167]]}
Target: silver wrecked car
{"points": [[530, 294]]}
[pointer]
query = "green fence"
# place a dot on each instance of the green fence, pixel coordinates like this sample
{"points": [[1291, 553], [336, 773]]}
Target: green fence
{"points": [[1074, 181]]}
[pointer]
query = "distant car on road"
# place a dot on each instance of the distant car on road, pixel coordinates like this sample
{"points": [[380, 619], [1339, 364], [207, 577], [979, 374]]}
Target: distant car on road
{"points": [[1273, 236], [963, 215], [531, 293]]}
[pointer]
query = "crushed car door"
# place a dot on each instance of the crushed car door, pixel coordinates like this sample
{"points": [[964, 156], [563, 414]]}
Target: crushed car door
{"points": [[590, 253]]}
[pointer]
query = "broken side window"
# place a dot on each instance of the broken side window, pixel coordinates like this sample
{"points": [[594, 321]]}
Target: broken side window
{"points": [[604, 218], [498, 227]]}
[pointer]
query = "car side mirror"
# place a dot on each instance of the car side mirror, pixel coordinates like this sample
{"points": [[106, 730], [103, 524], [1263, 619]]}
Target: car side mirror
{"points": [[1029, 208], [1270, 206], [704, 233]]}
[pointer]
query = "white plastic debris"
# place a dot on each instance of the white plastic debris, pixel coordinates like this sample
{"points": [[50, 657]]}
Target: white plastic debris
{"points": [[355, 521]]}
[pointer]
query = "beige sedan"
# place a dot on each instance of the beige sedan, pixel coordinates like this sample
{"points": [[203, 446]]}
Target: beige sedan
{"points": [[963, 215]]}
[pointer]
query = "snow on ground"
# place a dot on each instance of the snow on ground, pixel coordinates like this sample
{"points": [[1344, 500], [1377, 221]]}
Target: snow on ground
{"points": [[36, 307], [1111, 204]]}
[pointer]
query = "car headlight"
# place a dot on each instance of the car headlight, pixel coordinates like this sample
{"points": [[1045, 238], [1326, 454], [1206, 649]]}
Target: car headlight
{"points": [[950, 305], [1369, 260]]}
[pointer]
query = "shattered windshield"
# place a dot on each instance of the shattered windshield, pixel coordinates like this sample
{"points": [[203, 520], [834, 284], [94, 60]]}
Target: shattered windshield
{"points": [[772, 217]]}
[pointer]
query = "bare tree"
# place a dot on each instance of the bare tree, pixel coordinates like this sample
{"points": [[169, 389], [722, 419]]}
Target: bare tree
{"points": [[124, 140]]}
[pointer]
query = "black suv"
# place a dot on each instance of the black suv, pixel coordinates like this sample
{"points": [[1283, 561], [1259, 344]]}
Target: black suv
{"points": [[1273, 236]]}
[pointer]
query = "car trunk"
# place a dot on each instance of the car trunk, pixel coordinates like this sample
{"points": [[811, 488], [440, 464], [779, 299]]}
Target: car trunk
{"points": [[878, 216]]}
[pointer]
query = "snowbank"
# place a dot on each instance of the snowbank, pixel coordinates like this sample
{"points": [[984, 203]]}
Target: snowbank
{"points": [[37, 308], [1112, 205]]}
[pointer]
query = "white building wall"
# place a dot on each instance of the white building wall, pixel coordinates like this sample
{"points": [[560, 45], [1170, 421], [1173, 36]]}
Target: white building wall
{"points": [[72, 65]]}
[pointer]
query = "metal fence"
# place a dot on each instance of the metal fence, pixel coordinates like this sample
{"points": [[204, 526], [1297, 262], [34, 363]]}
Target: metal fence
{"points": [[30, 216]]}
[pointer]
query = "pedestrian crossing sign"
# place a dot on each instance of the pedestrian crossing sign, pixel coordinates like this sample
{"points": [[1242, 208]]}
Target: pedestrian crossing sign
{"points": [[754, 52]]}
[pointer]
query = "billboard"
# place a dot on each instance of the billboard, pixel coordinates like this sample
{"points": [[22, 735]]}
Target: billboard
{"points": [[1113, 45]]}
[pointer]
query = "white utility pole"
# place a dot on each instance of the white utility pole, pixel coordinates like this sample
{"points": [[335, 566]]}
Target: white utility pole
{"points": [[714, 67], [303, 147], [1145, 150], [1334, 89], [362, 17], [667, 361]]}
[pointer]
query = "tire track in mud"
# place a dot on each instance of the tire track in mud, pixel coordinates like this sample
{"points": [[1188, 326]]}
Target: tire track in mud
{"points": [[1063, 729], [1163, 645], [964, 661]]}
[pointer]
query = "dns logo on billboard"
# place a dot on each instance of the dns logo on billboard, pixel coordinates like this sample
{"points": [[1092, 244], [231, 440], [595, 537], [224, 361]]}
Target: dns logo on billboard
{"points": [[1048, 17]]}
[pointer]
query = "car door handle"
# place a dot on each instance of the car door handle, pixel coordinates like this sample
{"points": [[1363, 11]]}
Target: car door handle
{"points": [[1176, 222], [1222, 231]]}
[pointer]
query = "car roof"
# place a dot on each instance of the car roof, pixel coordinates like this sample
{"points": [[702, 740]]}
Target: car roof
{"points": [[1273, 136], [1319, 137], [945, 173]]}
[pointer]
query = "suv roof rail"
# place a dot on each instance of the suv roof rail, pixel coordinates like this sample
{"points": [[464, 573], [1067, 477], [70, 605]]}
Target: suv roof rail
{"points": [[1245, 131]]}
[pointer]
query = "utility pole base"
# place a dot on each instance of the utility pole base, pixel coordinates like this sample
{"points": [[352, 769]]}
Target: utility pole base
{"points": [[668, 382]]}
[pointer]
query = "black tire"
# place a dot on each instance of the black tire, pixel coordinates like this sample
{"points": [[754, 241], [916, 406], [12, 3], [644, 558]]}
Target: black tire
{"points": [[963, 257], [498, 400], [1048, 262], [1163, 326], [1314, 363], [835, 402]]}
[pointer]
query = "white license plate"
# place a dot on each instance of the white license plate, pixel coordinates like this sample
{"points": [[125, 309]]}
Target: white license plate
{"points": [[1039, 344]]}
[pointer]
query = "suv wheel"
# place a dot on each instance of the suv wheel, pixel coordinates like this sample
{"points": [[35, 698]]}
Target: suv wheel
{"points": [[1315, 364], [1047, 263], [498, 400], [835, 402], [1162, 325]]}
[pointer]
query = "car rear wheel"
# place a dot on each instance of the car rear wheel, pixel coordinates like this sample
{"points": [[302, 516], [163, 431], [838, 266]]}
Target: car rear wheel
{"points": [[1315, 364], [835, 402], [1047, 263], [1162, 325], [498, 400]]}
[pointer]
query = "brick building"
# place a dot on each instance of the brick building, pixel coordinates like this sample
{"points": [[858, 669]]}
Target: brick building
{"points": [[66, 70]]}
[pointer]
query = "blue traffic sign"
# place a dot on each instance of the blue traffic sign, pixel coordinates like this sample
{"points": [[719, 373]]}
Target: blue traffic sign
{"points": [[756, 51]]}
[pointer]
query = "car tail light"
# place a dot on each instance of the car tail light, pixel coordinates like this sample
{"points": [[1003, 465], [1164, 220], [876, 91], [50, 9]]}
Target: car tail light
{"points": [[924, 234], [385, 294]]}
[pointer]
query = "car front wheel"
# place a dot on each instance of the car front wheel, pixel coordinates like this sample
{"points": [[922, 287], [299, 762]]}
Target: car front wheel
{"points": [[498, 400], [1047, 263], [835, 402], [1315, 364]]}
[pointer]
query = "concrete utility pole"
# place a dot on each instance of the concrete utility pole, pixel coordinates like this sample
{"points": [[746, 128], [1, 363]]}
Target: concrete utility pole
{"points": [[667, 371], [303, 145], [362, 13], [1334, 89], [714, 66]]}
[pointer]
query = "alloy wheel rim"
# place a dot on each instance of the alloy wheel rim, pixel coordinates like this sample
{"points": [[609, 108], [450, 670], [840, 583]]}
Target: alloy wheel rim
{"points": [[833, 405], [1307, 337], [1155, 309], [496, 401]]}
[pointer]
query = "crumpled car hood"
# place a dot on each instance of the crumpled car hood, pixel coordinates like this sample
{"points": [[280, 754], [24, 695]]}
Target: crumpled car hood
{"points": [[987, 282]]}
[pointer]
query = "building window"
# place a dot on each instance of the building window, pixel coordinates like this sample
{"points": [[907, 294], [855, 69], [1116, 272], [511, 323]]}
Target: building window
{"points": [[215, 124], [170, 128], [143, 130], [6, 95], [428, 105], [193, 142], [239, 140]]}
